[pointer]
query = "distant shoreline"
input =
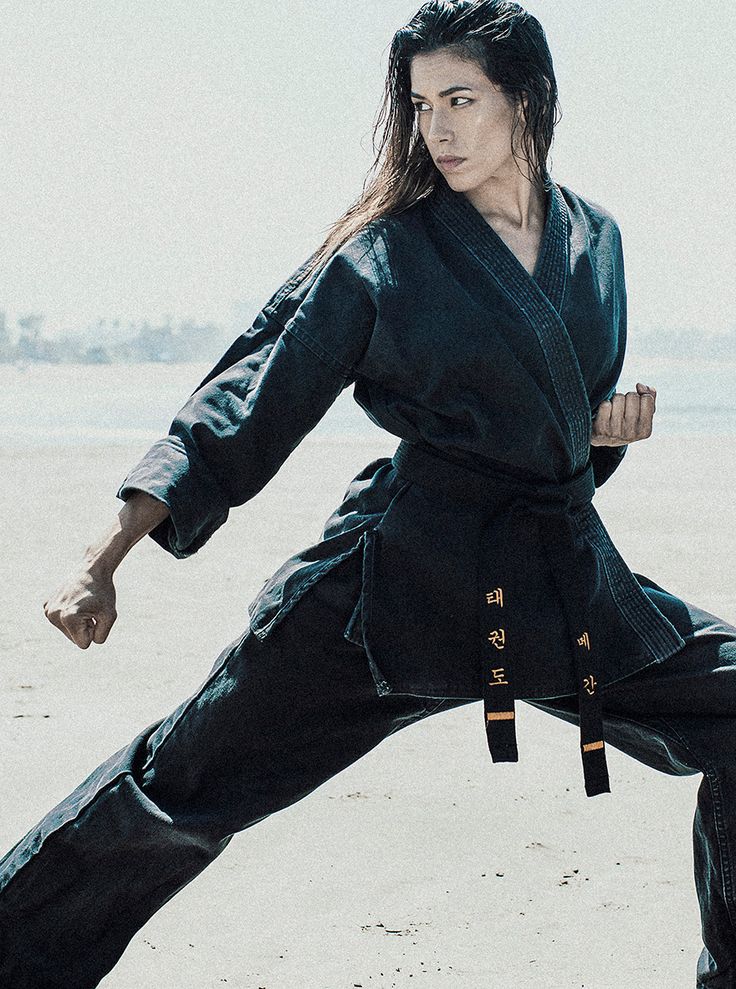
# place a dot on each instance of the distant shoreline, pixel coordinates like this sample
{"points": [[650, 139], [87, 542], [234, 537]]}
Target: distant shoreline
{"points": [[51, 405], [670, 360]]}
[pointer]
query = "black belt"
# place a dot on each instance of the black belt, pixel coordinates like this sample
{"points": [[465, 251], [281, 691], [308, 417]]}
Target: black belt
{"points": [[513, 504]]}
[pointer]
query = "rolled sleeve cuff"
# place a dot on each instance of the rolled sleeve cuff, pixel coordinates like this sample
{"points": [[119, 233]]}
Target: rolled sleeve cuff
{"points": [[179, 478]]}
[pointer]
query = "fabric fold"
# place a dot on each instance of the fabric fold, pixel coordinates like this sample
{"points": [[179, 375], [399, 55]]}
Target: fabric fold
{"points": [[540, 515]]}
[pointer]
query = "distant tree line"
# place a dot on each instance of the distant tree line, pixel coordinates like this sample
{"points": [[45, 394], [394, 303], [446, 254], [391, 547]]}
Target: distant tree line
{"points": [[112, 341]]}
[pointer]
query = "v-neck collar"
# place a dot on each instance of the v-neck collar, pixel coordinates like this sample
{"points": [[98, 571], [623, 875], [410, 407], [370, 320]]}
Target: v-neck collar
{"points": [[539, 297], [550, 271]]}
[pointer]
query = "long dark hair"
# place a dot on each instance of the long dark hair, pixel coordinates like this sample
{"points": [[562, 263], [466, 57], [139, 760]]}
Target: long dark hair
{"points": [[510, 46]]}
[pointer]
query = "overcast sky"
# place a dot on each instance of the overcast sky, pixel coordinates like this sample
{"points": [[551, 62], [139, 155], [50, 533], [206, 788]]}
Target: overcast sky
{"points": [[169, 157]]}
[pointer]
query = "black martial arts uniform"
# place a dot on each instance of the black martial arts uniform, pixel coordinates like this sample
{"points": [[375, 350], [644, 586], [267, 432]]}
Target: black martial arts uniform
{"points": [[470, 565]]}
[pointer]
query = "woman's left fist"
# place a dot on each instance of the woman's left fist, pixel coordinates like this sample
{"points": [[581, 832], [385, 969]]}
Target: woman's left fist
{"points": [[625, 418]]}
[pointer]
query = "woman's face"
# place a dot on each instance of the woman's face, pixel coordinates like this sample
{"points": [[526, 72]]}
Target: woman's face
{"points": [[461, 113]]}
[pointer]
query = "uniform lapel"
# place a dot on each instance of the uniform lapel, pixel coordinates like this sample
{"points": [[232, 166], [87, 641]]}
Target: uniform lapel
{"points": [[539, 297]]}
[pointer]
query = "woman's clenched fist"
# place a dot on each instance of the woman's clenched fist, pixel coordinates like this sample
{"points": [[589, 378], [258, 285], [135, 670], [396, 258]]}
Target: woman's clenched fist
{"points": [[625, 418]]}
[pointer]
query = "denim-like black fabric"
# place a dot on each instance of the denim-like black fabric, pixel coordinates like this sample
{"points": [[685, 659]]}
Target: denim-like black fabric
{"points": [[277, 717], [452, 346]]}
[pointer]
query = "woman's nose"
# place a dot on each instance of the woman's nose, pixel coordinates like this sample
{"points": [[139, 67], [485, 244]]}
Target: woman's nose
{"points": [[439, 127]]}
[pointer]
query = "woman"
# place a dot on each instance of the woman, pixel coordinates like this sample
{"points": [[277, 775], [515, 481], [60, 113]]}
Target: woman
{"points": [[480, 311]]}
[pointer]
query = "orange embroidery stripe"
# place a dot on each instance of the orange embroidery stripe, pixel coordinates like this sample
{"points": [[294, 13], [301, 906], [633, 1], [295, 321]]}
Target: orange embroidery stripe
{"points": [[592, 745], [499, 715]]}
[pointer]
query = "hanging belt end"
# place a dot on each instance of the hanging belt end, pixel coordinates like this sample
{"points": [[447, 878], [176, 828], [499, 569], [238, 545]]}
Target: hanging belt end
{"points": [[504, 753], [595, 769], [501, 736]]}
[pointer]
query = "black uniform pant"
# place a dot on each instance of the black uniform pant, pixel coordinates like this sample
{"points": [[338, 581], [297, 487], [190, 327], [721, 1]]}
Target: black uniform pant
{"points": [[275, 719]]}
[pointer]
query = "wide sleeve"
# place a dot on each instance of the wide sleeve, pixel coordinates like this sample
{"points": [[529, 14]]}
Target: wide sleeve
{"points": [[607, 459], [269, 389]]}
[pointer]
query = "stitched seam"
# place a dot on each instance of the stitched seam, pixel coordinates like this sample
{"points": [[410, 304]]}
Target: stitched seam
{"points": [[675, 735], [272, 306], [592, 529], [711, 775], [560, 382], [126, 772], [319, 351], [382, 686], [261, 631], [567, 223], [612, 587], [195, 697], [33, 859], [726, 866]]}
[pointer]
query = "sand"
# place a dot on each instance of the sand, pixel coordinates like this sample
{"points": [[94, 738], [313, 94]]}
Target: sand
{"points": [[424, 864]]}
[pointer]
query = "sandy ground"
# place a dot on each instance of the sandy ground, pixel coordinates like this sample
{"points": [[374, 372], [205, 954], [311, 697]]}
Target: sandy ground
{"points": [[423, 864]]}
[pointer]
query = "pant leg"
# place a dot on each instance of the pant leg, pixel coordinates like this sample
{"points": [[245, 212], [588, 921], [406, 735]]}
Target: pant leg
{"points": [[274, 720], [679, 717]]}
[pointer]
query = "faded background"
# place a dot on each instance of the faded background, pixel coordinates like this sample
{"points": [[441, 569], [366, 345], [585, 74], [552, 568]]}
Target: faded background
{"points": [[164, 166], [171, 157]]}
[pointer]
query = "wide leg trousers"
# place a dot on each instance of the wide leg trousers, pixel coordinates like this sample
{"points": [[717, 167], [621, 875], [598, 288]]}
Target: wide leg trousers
{"points": [[276, 718]]}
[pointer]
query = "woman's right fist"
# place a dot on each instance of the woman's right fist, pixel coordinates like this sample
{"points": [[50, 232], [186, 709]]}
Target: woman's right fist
{"points": [[83, 608]]}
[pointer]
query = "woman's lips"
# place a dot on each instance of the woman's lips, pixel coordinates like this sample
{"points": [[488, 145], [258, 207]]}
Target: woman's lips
{"points": [[449, 164]]}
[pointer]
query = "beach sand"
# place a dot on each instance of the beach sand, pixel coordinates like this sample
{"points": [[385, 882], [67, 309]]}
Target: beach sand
{"points": [[424, 864]]}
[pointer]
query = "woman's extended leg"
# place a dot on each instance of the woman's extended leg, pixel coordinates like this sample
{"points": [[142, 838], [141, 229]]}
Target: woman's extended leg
{"points": [[679, 717], [274, 720]]}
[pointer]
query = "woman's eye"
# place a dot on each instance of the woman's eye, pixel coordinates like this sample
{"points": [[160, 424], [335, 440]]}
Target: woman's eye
{"points": [[420, 107]]}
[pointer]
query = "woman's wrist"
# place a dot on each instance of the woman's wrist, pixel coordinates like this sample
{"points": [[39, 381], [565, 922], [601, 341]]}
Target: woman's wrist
{"points": [[140, 513], [104, 555]]}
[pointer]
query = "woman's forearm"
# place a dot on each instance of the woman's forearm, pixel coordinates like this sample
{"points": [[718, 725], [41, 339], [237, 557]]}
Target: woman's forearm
{"points": [[140, 513]]}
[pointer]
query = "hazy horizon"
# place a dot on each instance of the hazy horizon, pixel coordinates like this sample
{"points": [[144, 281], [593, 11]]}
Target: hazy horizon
{"points": [[174, 160]]}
